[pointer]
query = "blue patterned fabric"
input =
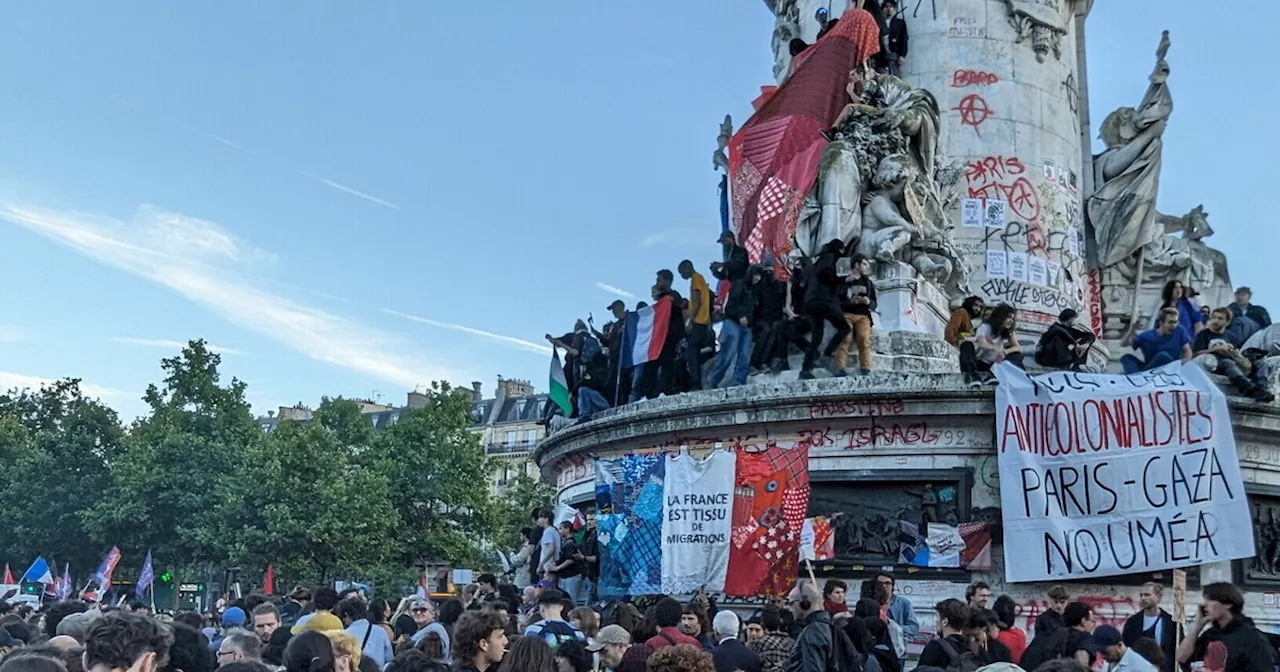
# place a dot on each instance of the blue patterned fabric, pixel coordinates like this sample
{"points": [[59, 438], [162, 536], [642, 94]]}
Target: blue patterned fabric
{"points": [[630, 536]]}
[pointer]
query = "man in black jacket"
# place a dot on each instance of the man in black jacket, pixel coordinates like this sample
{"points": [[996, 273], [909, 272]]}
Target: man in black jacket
{"points": [[1231, 642], [1155, 623], [766, 327], [735, 331], [896, 51], [822, 306], [813, 647], [734, 266], [858, 303], [1064, 345], [730, 654]]}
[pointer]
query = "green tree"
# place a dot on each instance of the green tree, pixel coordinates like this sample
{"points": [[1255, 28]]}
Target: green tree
{"points": [[439, 479], [300, 500], [166, 480], [55, 445], [522, 495]]}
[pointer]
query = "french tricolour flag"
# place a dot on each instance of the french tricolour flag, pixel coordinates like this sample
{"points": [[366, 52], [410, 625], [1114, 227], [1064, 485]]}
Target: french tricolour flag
{"points": [[646, 332]]}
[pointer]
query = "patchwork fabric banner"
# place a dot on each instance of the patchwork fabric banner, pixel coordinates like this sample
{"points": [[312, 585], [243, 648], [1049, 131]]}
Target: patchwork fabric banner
{"points": [[697, 517], [629, 524], [771, 499], [817, 539]]}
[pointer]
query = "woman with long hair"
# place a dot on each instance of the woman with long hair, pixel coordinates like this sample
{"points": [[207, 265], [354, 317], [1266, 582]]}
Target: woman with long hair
{"points": [[529, 654], [309, 651], [1010, 635], [1178, 296], [996, 341], [380, 614]]}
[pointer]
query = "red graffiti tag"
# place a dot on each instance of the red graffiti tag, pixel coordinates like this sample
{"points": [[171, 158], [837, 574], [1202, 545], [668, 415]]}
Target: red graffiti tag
{"points": [[1037, 239], [993, 168], [1020, 195], [914, 434], [1095, 300], [973, 111], [963, 78]]}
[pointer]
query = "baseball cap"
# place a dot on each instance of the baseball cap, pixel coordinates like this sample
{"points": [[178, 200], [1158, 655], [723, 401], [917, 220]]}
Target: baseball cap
{"points": [[617, 304], [233, 617], [610, 634], [1243, 289], [1102, 637], [723, 234]]}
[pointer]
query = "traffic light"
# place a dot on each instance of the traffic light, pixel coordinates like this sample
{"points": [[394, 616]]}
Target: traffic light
{"points": [[167, 577], [31, 588]]}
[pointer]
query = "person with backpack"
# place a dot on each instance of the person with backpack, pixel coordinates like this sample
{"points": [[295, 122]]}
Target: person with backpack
{"points": [[950, 649], [1065, 642], [553, 628], [813, 650]]}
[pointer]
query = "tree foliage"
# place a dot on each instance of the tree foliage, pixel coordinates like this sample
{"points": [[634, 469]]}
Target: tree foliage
{"points": [[197, 482]]}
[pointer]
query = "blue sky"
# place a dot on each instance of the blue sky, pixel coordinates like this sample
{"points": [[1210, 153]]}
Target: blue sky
{"points": [[350, 197]]}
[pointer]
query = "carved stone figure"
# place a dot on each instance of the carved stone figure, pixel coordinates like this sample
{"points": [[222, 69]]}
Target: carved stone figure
{"points": [[1041, 20], [912, 112], [833, 209], [786, 27], [1180, 254], [885, 232], [1122, 207], [720, 158]]}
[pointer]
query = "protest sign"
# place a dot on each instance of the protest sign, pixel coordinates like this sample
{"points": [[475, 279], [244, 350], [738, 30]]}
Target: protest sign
{"points": [[696, 523], [1104, 475]]}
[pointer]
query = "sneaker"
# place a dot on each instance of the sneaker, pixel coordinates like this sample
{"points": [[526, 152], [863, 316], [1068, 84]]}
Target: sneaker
{"points": [[865, 372], [1263, 394], [839, 373], [778, 366], [990, 380], [972, 380], [806, 374]]}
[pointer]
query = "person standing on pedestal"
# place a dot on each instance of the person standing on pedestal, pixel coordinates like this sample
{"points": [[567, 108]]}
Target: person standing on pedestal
{"points": [[896, 52], [860, 302], [821, 305], [700, 334]]}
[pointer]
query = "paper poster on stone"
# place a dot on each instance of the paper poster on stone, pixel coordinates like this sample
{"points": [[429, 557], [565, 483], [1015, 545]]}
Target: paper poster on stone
{"points": [[1054, 271], [1037, 271], [996, 264], [1050, 173], [1018, 266], [995, 213], [697, 518], [1073, 241], [1104, 475], [971, 212]]}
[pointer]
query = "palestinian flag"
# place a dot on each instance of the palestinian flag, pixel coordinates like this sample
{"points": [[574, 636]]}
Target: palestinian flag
{"points": [[559, 386]]}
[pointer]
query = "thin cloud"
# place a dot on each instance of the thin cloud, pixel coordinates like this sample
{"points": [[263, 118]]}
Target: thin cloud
{"points": [[309, 175], [166, 344], [21, 381], [527, 346], [180, 258], [349, 190], [331, 297], [616, 291], [676, 237]]}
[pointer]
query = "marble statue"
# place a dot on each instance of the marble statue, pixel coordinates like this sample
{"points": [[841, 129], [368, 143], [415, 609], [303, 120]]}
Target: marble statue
{"points": [[786, 27], [833, 209], [885, 232], [1180, 254], [720, 158], [913, 113], [1041, 20], [1126, 175]]}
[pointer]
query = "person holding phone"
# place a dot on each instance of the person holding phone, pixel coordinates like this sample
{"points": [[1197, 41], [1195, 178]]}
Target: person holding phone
{"points": [[1230, 642]]}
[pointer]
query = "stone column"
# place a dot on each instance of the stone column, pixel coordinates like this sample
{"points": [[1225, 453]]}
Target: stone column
{"points": [[1005, 73]]}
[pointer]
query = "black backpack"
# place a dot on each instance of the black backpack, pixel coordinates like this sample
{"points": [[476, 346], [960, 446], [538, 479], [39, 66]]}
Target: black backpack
{"points": [[961, 660], [844, 656], [1045, 648]]}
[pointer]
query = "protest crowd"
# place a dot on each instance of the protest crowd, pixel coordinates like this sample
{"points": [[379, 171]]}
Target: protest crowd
{"points": [[493, 626], [669, 347]]}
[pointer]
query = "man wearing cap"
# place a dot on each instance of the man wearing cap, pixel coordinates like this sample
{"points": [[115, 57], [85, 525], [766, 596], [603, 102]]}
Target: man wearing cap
{"points": [[1107, 641], [612, 339], [1242, 308], [231, 618], [611, 643], [424, 614]]}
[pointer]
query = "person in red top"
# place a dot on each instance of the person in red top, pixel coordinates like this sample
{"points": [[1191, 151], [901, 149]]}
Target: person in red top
{"points": [[1010, 635], [668, 614]]}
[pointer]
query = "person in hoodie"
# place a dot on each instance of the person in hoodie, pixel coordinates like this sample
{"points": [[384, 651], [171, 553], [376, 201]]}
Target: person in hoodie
{"points": [[822, 306], [735, 331], [767, 332], [1065, 345]]}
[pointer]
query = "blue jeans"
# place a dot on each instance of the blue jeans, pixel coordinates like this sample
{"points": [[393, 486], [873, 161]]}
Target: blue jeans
{"points": [[572, 587], [589, 402], [1132, 364], [735, 351], [637, 383]]}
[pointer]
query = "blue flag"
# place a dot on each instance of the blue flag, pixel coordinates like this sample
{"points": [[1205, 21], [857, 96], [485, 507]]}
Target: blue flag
{"points": [[39, 572], [146, 577]]}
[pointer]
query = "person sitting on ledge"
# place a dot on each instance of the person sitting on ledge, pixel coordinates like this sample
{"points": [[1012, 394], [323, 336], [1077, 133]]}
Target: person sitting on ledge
{"points": [[996, 341], [1165, 344], [1064, 345], [1249, 378]]}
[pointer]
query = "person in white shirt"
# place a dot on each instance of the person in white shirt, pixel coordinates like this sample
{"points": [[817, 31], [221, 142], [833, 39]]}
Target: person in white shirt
{"points": [[550, 543], [1120, 658]]}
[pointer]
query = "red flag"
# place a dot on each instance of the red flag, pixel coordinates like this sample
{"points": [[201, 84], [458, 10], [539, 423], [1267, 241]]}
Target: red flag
{"points": [[770, 501], [269, 581], [8, 575], [773, 158]]}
